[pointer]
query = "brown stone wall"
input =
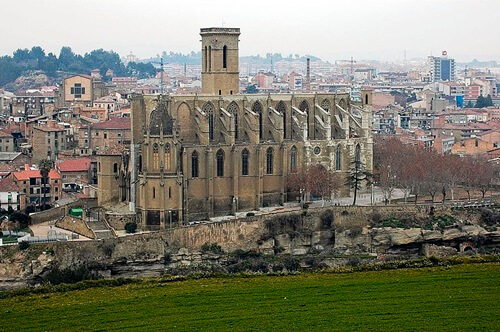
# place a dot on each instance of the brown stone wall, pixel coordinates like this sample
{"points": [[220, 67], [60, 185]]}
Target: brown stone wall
{"points": [[75, 225], [118, 221], [108, 180]]}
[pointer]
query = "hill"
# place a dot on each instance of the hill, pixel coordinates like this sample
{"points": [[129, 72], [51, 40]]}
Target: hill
{"points": [[463, 297]]}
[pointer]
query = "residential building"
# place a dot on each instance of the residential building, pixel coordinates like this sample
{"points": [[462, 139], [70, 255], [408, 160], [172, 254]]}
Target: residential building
{"points": [[104, 135], [74, 170], [264, 80], [11, 197], [47, 140], [472, 147], [6, 142], [80, 89], [106, 102], [32, 185], [441, 68]]}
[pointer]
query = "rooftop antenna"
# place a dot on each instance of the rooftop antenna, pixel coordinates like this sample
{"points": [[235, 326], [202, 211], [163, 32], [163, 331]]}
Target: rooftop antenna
{"points": [[222, 21]]}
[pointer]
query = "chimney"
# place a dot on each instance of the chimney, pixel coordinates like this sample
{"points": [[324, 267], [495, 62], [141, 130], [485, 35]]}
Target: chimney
{"points": [[308, 75]]}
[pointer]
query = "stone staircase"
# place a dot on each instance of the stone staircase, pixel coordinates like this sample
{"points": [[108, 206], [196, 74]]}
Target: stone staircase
{"points": [[100, 229]]}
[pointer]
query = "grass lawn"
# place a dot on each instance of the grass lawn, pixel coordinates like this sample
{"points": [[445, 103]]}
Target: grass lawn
{"points": [[458, 298]]}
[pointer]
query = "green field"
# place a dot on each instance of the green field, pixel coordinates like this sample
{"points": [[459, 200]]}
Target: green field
{"points": [[458, 298]]}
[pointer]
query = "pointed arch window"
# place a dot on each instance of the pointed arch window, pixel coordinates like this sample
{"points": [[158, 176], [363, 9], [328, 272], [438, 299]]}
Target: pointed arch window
{"points": [[220, 163], [281, 108], [209, 110], [167, 157], [206, 58], [233, 109], [338, 158], [293, 159], [304, 107], [366, 99], [210, 58], [154, 192], [357, 156], [269, 161], [224, 57], [342, 104], [325, 104], [194, 164], [257, 108], [140, 163], [244, 162], [156, 157]]}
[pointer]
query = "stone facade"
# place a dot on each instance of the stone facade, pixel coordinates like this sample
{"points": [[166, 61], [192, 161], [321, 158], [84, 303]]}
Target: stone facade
{"points": [[198, 156]]}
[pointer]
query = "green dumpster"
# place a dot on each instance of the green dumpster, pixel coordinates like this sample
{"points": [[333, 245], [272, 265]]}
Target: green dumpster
{"points": [[76, 212]]}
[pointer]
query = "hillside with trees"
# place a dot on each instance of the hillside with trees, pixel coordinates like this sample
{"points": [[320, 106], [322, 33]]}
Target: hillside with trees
{"points": [[25, 62]]}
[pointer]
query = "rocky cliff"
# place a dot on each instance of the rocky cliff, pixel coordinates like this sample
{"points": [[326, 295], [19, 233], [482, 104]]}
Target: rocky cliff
{"points": [[319, 238]]}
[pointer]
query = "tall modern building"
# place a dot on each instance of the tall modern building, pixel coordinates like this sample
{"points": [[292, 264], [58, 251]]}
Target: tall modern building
{"points": [[442, 68]]}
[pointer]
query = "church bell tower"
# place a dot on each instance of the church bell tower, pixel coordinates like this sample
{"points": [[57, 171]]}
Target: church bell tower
{"points": [[220, 72]]}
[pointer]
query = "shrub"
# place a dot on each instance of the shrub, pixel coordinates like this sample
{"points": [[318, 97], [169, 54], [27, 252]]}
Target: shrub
{"points": [[491, 218], [282, 224], [30, 209], [291, 263], [376, 217], [305, 206], [354, 261], [278, 249], [22, 218], [23, 245], [213, 248], [130, 227], [70, 275], [355, 231], [246, 254]]}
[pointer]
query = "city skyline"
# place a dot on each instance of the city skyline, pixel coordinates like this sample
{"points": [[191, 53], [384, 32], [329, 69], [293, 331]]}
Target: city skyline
{"points": [[321, 28]]}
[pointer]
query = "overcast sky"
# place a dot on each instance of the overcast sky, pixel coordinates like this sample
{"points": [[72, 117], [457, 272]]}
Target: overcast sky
{"points": [[364, 29]]}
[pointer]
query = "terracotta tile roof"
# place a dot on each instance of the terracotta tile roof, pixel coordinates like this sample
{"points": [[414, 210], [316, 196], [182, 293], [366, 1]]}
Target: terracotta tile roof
{"points": [[114, 123], [35, 173], [7, 167], [114, 150], [7, 184], [74, 165], [48, 129], [4, 133]]}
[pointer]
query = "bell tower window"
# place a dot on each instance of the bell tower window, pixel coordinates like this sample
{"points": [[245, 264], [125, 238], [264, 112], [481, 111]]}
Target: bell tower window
{"points": [[224, 57]]}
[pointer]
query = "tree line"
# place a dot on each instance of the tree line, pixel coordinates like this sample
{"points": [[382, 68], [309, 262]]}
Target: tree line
{"points": [[415, 170], [421, 171], [23, 60]]}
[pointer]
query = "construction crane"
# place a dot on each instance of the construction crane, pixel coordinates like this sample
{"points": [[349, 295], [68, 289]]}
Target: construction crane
{"points": [[352, 62]]}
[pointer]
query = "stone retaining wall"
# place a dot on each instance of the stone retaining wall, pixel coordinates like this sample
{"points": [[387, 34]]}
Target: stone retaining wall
{"points": [[75, 225]]}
